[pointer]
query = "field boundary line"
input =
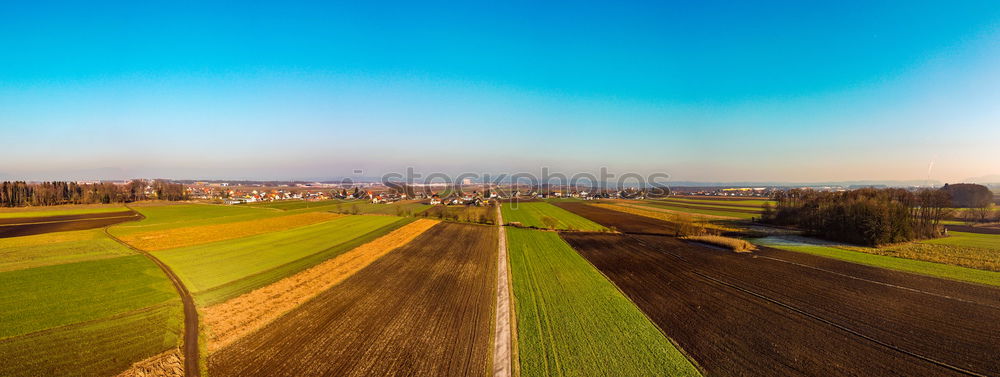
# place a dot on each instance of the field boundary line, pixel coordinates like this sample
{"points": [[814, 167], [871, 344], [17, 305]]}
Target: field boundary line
{"points": [[502, 348], [191, 350], [811, 315]]}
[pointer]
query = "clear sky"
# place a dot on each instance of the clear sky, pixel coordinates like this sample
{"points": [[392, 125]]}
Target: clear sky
{"points": [[702, 90]]}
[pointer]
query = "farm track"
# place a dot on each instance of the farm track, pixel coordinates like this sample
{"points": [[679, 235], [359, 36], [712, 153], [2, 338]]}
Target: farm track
{"points": [[502, 349], [26, 226], [192, 355], [740, 315], [425, 308]]}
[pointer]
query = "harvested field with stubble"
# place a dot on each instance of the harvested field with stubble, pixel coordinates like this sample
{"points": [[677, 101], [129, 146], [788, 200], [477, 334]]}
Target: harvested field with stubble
{"points": [[244, 314], [425, 309], [197, 235], [785, 313]]}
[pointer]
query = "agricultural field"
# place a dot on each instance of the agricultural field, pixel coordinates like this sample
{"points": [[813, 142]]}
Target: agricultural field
{"points": [[546, 216], [160, 216], [461, 213], [941, 261], [64, 210], [721, 209], [39, 250], [571, 321], [359, 207], [969, 240], [239, 316], [423, 309], [288, 205], [26, 226], [217, 271], [201, 234], [618, 220], [78, 303], [753, 203], [781, 314]]}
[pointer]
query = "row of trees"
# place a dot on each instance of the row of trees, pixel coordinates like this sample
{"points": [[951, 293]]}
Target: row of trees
{"points": [[20, 193], [865, 216]]}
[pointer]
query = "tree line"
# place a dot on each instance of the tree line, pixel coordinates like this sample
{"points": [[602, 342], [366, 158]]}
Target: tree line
{"points": [[21, 193], [865, 216]]}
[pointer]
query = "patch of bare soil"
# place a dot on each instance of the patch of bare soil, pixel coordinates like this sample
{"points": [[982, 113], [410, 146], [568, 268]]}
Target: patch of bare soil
{"points": [[16, 227], [242, 315]]}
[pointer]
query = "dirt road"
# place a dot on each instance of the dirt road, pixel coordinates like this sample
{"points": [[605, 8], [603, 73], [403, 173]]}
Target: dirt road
{"points": [[502, 333], [192, 356]]}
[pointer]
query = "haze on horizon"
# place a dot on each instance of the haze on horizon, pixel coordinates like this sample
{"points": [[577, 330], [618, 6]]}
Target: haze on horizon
{"points": [[713, 91]]}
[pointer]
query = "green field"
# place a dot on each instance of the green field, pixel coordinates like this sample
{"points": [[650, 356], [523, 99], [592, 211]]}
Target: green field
{"points": [[573, 322], [57, 211], [288, 205], [664, 205], [60, 316], [360, 207], [57, 248], [44, 297], [217, 271], [532, 214], [941, 270], [176, 216], [962, 239], [723, 202], [98, 348]]}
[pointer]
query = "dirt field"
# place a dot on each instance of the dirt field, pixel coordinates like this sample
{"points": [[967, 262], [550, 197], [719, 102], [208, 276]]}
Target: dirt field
{"points": [[783, 313], [726, 203], [617, 220], [674, 203], [235, 318], [425, 309], [26, 226], [991, 229]]}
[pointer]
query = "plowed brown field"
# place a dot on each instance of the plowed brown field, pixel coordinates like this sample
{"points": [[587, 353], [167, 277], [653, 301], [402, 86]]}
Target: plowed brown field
{"points": [[26, 226], [782, 313], [620, 221], [424, 309], [239, 316]]}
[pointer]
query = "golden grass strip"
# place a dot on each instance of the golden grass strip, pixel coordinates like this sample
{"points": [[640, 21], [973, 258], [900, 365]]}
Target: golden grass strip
{"points": [[242, 315], [653, 211], [734, 244], [196, 235], [167, 364]]}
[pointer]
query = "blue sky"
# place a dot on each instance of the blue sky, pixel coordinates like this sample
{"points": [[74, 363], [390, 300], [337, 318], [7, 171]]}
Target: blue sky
{"points": [[708, 91]]}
